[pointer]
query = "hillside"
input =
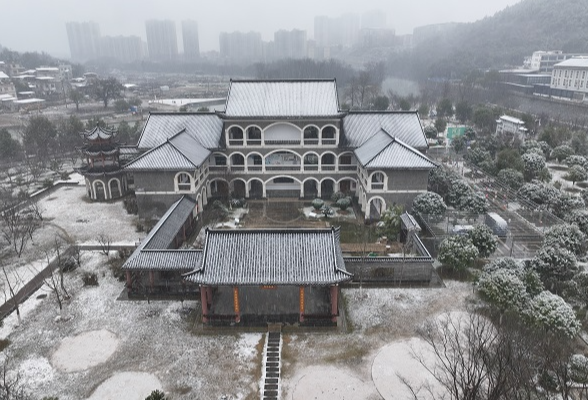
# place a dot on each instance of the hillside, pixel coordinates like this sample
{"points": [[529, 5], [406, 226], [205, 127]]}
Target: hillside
{"points": [[501, 40]]}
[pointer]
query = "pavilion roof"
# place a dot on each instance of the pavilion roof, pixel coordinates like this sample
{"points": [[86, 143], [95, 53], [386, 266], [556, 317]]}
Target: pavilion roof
{"points": [[271, 257], [99, 133]]}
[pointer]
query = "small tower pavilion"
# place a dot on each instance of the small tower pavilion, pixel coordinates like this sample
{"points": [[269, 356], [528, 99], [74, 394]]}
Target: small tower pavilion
{"points": [[105, 179]]}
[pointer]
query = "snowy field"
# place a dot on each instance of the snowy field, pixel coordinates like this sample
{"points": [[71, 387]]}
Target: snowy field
{"points": [[362, 364], [101, 348], [100, 345], [69, 216]]}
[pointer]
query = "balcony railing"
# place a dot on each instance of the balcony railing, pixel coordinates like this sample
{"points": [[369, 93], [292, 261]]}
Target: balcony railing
{"points": [[237, 168], [327, 167], [377, 186], [254, 168], [253, 142], [236, 142], [329, 141], [218, 168], [311, 142], [311, 168], [282, 167], [347, 167], [282, 142]]}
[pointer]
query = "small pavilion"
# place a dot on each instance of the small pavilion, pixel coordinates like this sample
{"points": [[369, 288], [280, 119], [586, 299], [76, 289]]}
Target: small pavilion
{"points": [[258, 276], [105, 179]]}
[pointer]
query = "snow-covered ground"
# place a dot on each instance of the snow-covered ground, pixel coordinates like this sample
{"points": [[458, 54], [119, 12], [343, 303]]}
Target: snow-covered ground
{"points": [[144, 344], [383, 323], [69, 217]]}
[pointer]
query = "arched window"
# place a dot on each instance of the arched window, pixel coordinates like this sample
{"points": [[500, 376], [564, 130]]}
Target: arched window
{"points": [[311, 135], [236, 133], [184, 182], [328, 135], [253, 134], [378, 180]]}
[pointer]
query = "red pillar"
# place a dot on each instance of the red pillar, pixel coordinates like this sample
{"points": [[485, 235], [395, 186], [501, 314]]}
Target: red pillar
{"points": [[151, 279], [334, 303], [236, 304], [204, 301], [301, 298], [129, 280], [209, 294]]}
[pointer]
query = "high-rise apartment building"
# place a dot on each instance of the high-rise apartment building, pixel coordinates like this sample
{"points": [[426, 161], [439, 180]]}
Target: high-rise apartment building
{"points": [[162, 40], [123, 48], [84, 40], [340, 31], [240, 46], [290, 44], [190, 39]]}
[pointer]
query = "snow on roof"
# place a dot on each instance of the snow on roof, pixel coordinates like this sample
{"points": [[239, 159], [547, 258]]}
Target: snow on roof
{"points": [[98, 133], [164, 260], [180, 152], [205, 128], [271, 257], [513, 120], [3, 75], [29, 101], [282, 98], [386, 152], [578, 62], [359, 126]]}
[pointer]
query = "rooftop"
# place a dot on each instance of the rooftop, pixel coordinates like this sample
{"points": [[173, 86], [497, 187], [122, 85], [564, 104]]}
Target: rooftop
{"points": [[387, 152], [271, 257], [282, 98], [98, 133], [205, 128], [579, 62], [359, 126]]}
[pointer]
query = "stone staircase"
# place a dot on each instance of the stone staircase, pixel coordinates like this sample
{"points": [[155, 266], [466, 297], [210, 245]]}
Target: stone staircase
{"points": [[270, 378]]}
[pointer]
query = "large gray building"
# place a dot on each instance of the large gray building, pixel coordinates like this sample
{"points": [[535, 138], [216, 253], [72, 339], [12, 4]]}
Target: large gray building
{"points": [[162, 41], [84, 40], [123, 48], [190, 40], [240, 46], [281, 139]]}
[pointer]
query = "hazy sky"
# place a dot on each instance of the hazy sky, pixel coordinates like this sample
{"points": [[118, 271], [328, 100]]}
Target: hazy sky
{"points": [[40, 24]]}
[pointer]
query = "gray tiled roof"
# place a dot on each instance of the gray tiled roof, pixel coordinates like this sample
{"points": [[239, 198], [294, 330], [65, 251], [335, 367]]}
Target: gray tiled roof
{"points": [[382, 151], [409, 222], [205, 128], [165, 260], [359, 127], [162, 236], [284, 98], [271, 257], [178, 153]]}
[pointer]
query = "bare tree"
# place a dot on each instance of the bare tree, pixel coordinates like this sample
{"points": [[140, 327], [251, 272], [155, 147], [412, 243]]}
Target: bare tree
{"points": [[53, 277], [10, 386], [105, 242], [18, 225]]}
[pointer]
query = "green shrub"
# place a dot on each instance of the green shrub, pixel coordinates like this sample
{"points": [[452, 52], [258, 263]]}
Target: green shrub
{"points": [[335, 197], [90, 279], [343, 203], [318, 203], [47, 183]]}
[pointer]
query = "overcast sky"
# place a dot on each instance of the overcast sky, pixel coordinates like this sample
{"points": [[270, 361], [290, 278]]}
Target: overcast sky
{"points": [[40, 24]]}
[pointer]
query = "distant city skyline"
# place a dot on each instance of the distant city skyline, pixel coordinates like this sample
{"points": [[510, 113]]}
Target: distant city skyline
{"points": [[128, 18]]}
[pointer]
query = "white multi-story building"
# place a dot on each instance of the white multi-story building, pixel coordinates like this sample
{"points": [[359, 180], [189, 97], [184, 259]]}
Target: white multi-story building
{"points": [[572, 76], [544, 61], [511, 126]]}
